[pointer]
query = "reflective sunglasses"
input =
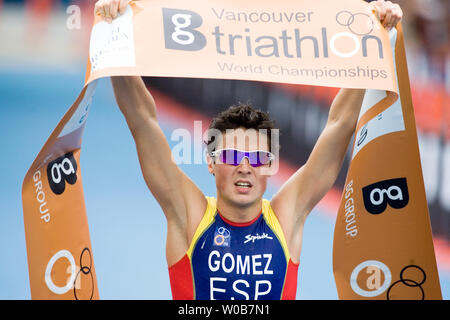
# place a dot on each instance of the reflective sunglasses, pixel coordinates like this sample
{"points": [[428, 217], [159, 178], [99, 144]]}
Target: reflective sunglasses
{"points": [[234, 157]]}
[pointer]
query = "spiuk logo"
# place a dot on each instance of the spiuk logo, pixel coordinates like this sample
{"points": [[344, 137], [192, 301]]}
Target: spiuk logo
{"points": [[60, 171], [222, 237], [253, 238]]}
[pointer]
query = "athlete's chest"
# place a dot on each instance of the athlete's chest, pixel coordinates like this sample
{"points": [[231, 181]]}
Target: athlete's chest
{"points": [[238, 262]]}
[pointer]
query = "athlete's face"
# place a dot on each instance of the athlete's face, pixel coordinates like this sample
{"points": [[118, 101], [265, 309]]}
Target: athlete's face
{"points": [[241, 185]]}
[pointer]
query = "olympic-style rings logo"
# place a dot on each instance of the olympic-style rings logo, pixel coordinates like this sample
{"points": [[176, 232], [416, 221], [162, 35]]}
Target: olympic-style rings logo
{"points": [[222, 234], [86, 271], [347, 19], [74, 280], [409, 282]]}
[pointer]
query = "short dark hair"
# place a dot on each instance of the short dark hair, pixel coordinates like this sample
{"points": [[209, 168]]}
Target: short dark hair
{"points": [[241, 115]]}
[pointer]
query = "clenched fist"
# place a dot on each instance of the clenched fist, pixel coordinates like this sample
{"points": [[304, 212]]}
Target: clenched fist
{"points": [[389, 13], [110, 9]]}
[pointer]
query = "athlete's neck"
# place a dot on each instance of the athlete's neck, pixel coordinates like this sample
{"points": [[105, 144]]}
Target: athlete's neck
{"points": [[238, 213]]}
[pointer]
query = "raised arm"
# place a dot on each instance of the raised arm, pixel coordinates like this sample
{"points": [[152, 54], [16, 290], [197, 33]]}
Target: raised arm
{"points": [[164, 178], [180, 199], [311, 182], [298, 196]]}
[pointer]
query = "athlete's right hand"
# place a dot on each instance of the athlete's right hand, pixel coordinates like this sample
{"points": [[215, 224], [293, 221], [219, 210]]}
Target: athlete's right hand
{"points": [[110, 9]]}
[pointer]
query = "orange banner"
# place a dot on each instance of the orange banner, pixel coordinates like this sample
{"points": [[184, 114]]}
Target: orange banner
{"points": [[293, 41], [383, 245], [60, 260], [322, 43]]}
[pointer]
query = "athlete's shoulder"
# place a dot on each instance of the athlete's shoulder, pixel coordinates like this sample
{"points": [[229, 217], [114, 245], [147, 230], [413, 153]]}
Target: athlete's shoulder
{"points": [[267, 207], [210, 211], [206, 220], [212, 202]]}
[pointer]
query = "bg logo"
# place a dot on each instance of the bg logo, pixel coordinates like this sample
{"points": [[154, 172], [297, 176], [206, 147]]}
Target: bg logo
{"points": [[179, 30], [378, 195], [61, 170]]}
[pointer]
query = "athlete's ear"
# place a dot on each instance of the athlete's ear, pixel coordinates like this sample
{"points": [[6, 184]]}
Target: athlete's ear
{"points": [[210, 162]]}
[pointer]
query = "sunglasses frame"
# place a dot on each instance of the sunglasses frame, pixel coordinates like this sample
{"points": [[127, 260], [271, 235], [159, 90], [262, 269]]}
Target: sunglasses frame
{"points": [[216, 153]]}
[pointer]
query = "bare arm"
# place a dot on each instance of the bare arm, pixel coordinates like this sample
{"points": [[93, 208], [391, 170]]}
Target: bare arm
{"points": [[180, 199], [170, 186], [298, 196], [312, 181]]}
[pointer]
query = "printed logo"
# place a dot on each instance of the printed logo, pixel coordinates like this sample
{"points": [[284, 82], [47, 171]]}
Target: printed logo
{"points": [[362, 135], [222, 237], [179, 30], [61, 170], [253, 238], [419, 277], [370, 278], [378, 195], [80, 116], [74, 280], [359, 23]]}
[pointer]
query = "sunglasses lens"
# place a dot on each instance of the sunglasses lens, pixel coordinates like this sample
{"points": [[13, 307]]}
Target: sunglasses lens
{"points": [[234, 157], [259, 158], [230, 156]]}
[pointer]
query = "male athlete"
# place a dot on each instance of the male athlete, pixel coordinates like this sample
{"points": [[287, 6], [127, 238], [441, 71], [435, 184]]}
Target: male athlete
{"points": [[238, 245]]}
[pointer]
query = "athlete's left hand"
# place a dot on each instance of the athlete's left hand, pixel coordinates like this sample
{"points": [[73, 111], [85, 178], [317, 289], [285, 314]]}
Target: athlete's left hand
{"points": [[389, 13]]}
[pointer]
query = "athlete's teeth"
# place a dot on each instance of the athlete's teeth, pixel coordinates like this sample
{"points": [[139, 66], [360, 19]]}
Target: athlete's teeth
{"points": [[243, 184]]}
